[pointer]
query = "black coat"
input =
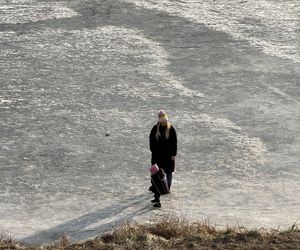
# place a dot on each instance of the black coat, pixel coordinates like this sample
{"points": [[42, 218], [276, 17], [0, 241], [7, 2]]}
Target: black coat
{"points": [[162, 149]]}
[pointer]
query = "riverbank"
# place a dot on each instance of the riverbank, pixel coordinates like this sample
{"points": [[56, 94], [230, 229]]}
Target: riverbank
{"points": [[174, 233]]}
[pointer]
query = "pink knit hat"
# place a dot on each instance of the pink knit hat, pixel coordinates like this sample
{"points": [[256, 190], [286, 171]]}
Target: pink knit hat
{"points": [[161, 113], [162, 116], [154, 169]]}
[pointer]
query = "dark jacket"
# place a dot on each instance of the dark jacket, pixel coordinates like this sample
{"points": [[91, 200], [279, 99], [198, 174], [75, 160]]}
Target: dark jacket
{"points": [[162, 149], [159, 183]]}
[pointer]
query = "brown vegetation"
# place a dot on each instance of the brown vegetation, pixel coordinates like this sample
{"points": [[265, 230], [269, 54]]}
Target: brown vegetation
{"points": [[174, 233]]}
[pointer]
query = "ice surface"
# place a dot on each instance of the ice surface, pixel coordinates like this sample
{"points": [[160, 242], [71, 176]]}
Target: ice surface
{"points": [[73, 72], [270, 25], [16, 12]]}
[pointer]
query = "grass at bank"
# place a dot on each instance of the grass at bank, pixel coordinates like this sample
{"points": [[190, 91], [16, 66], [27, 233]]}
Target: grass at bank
{"points": [[174, 233]]}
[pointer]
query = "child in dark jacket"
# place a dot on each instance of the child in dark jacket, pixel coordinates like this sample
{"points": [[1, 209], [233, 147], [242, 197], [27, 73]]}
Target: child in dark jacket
{"points": [[159, 184]]}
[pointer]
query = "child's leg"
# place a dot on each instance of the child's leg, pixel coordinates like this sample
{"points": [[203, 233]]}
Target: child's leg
{"points": [[156, 200], [156, 197]]}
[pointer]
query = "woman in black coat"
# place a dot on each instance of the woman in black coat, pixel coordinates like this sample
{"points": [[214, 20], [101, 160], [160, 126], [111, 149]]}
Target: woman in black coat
{"points": [[163, 145]]}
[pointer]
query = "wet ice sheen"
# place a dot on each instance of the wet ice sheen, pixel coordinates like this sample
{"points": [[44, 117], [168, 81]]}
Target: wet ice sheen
{"points": [[66, 83]]}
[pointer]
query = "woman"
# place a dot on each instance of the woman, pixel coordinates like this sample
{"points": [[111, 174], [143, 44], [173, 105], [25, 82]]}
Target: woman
{"points": [[163, 145]]}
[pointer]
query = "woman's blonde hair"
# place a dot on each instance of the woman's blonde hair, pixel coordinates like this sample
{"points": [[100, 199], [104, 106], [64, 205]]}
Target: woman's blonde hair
{"points": [[167, 134]]}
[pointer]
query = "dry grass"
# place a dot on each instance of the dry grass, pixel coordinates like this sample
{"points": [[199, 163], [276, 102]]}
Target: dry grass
{"points": [[176, 233]]}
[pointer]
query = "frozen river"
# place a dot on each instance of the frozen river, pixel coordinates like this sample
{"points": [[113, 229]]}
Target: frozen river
{"points": [[226, 72]]}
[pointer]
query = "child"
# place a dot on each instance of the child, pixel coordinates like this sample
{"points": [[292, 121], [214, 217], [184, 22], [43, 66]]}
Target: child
{"points": [[159, 184]]}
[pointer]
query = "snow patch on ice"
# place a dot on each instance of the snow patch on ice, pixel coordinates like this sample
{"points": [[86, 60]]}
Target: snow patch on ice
{"points": [[108, 52], [218, 143], [248, 20], [13, 12]]}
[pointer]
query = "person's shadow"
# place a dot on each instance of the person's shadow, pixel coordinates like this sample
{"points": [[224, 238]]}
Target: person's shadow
{"points": [[78, 228]]}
